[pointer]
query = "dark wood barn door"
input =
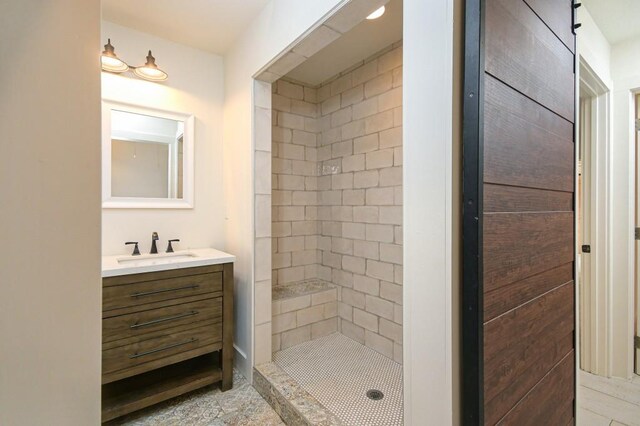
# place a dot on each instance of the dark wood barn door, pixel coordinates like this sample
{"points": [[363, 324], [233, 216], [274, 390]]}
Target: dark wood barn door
{"points": [[518, 219]]}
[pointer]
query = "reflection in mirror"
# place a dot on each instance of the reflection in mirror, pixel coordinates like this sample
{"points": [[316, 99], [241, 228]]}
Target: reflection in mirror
{"points": [[146, 156]]}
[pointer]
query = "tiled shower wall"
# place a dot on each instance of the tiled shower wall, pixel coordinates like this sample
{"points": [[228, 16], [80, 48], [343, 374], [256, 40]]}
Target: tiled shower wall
{"points": [[337, 194], [294, 183]]}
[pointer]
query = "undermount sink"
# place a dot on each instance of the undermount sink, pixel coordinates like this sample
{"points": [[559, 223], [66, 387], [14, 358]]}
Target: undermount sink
{"points": [[155, 259], [113, 266]]}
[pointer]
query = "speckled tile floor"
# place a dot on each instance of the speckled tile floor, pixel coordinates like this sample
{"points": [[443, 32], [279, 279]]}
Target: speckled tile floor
{"points": [[208, 406]]}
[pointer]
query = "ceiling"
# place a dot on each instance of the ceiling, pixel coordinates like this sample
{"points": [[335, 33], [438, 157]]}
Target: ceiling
{"points": [[617, 19], [364, 40], [209, 25]]}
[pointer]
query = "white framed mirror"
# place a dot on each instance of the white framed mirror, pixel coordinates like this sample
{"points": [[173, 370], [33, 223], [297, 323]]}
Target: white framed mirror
{"points": [[147, 157]]}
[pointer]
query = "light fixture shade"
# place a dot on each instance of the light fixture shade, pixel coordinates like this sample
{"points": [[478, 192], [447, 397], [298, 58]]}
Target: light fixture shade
{"points": [[110, 62], [150, 71], [376, 13]]}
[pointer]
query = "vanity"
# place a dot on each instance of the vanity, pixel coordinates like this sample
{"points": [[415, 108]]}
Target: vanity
{"points": [[167, 327]]}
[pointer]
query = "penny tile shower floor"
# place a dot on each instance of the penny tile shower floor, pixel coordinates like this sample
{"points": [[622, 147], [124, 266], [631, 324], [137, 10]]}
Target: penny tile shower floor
{"points": [[208, 406], [338, 372]]}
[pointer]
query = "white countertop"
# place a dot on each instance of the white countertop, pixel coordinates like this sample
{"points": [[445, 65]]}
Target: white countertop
{"points": [[113, 266]]}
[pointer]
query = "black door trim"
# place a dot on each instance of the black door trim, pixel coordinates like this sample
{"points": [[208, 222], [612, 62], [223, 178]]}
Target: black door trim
{"points": [[472, 201]]}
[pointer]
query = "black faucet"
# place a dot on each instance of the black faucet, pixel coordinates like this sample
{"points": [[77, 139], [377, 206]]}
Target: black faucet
{"points": [[154, 238], [170, 247]]}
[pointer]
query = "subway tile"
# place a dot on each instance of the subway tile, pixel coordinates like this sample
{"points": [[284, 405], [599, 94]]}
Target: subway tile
{"points": [[331, 308], [391, 137], [379, 159], [352, 96], [281, 166], [397, 234], [352, 163], [353, 298], [380, 84], [353, 129], [397, 77], [262, 343], [291, 121], [262, 259], [352, 331], [316, 41], [291, 213], [324, 328], [342, 149], [263, 302], [380, 307], [378, 122], [341, 278], [341, 84], [397, 353], [379, 343], [309, 315], [289, 182], [342, 245], [345, 311], [366, 179], [342, 181], [262, 123], [280, 229], [295, 337], [391, 176], [341, 117], [391, 330], [262, 94], [365, 319], [366, 214], [380, 196], [353, 264], [281, 260], [353, 230], [283, 322], [391, 99], [391, 253], [263, 172], [311, 95], [304, 257], [323, 297], [281, 103], [366, 284], [390, 215], [381, 270], [390, 60], [305, 227], [290, 244], [366, 249], [263, 216], [301, 137], [365, 72], [365, 108], [289, 90], [275, 342], [330, 105], [390, 291], [342, 213], [353, 197], [290, 275], [280, 134]]}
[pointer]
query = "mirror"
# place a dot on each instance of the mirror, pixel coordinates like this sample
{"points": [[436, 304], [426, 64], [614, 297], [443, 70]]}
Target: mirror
{"points": [[147, 157]]}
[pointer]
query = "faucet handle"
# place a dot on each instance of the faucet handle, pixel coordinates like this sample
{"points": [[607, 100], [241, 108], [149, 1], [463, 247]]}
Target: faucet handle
{"points": [[170, 247], [154, 236], [136, 252]]}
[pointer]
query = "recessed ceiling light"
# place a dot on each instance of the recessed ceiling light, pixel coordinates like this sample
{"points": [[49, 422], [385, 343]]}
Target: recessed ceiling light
{"points": [[378, 13]]}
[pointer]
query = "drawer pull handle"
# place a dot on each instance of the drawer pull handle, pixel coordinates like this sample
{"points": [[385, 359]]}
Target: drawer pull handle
{"points": [[160, 320], [164, 348], [150, 293]]}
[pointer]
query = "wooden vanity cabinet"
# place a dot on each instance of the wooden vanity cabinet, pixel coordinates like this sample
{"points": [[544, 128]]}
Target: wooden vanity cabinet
{"points": [[164, 334]]}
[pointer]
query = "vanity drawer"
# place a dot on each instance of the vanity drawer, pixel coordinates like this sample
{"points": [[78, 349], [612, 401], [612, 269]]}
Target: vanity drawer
{"points": [[148, 354], [155, 292], [142, 323]]}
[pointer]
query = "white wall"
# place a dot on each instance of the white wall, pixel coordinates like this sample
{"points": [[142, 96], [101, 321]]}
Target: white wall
{"points": [[625, 73], [428, 215], [195, 86], [50, 291], [279, 24], [593, 46]]}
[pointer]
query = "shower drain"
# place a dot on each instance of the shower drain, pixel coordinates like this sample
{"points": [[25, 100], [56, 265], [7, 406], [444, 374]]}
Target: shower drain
{"points": [[375, 394]]}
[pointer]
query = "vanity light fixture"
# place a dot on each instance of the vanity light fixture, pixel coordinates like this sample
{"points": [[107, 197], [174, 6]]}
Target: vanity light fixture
{"points": [[376, 14], [111, 62], [150, 71]]}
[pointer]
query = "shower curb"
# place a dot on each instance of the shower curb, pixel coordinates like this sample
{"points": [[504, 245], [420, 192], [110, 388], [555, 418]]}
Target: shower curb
{"points": [[294, 405]]}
